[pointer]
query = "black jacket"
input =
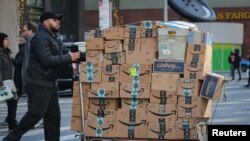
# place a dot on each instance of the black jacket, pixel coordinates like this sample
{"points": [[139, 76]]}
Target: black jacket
{"points": [[6, 66], [18, 61], [46, 58]]}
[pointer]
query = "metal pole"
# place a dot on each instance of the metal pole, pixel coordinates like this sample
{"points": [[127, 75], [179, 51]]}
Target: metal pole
{"points": [[82, 103], [165, 10]]}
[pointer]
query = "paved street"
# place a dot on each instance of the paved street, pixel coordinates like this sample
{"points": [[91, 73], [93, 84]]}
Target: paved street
{"points": [[234, 110], [37, 134]]}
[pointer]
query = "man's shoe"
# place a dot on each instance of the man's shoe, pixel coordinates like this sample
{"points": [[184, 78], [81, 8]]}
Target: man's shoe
{"points": [[10, 137]]}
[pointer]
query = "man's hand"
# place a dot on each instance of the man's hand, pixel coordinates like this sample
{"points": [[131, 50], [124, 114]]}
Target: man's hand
{"points": [[74, 56]]}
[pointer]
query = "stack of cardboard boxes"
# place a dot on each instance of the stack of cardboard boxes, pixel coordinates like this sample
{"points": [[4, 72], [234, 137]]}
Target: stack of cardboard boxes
{"points": [[143, 81]]}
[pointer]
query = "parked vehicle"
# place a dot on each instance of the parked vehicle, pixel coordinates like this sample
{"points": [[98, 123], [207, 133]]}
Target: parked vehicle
{"points": [[65, 82], [244, 64]]}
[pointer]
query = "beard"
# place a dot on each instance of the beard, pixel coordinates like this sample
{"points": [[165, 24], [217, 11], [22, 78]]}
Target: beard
{"points": [[54, 29]]}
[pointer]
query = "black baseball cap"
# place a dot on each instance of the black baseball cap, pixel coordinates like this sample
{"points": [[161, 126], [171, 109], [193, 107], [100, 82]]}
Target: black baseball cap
{"points": [[50, 15]]}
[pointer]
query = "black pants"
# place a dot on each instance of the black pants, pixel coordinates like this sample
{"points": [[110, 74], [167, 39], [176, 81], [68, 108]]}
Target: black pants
{"points": [[11, 116], [248, 76], [42, 103], [238, 70], [12, 108]]}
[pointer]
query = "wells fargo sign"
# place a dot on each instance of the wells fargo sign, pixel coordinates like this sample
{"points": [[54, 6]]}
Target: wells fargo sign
{"points": [[233, 15]]}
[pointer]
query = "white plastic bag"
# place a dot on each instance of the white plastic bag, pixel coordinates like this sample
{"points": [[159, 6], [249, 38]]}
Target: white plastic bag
{"points": [[8, 91]]}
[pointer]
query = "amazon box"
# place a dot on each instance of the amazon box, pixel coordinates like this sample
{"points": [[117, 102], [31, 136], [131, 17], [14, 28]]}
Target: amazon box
{"points": [[104, 90], [114, 58], [77, 110], [164, 66], [132, 31], [131, 44], [140, 57], [90, 72], [134, 103], [199, 53], [197, 37], [95, 44], [103, 103], [189, 87], [76, 94], [113, 46], [140, 73], [149, 44], [129, 90], [163, 97], [110, 73], [186, 128], [100, 127], [131, 123], [102, 113], [161, 130], [213, 86], [196, 70], [76, 124], [193, 106], [94, 56], [157, 111], [114, 33], [164, 81]]}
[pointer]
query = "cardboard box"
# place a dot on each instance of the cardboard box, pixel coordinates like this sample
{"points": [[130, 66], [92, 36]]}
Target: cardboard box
{"points": [[103, 103], [165, 66], [114, 58], [114, 33], [186, 128], [164, 81], [102, 113], [188, 87], [172, 43], [193, 106], [76, 87], [140, 57], [163, 97], [94, 56], [96, 33], [199, 53], [102, 127], [149, 44], [76, 124], [90, 72], [134, 103], [129, 72], [95, 44], [132, 31], [110, 73], [157, 111], [129, 90], [113, 46], [161, 130], [213, 86], [104, 90], [196, 70], [172, 48], [131, 123], [76, 94], [149, 24], [148, 32], [197, 37], [132, 44]]}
